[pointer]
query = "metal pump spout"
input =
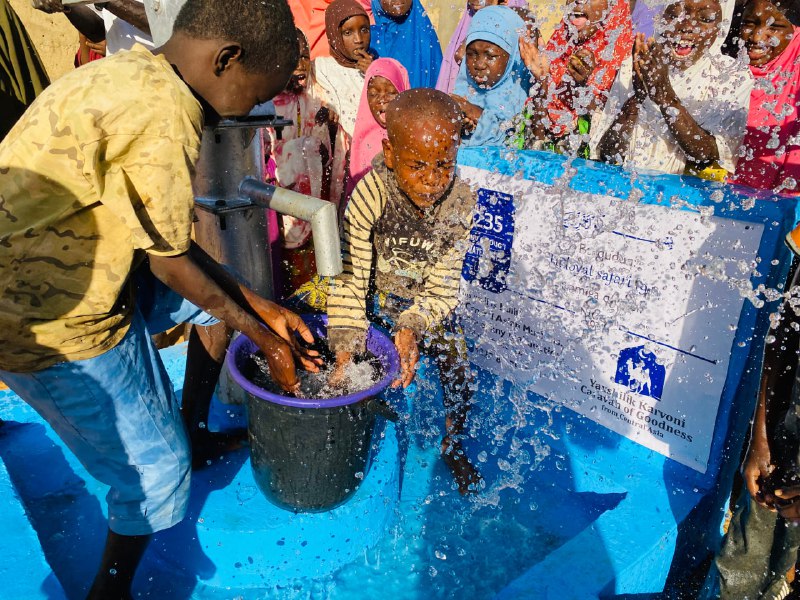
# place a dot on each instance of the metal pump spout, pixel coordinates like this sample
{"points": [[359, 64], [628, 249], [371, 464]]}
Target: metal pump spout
{"points": [[321, 215], [231, 223]]}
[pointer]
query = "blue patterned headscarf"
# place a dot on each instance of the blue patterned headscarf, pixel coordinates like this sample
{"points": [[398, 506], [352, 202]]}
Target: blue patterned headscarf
{"points": [[410, 40], [503, 27]]}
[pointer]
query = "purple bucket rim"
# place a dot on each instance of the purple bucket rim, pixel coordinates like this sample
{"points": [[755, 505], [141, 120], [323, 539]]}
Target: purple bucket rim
{"points": [[389, 360]]}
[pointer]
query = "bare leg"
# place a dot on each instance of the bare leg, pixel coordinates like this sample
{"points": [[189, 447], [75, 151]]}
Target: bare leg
{"points": [[455, 376], [205, 356], [121, 557]]}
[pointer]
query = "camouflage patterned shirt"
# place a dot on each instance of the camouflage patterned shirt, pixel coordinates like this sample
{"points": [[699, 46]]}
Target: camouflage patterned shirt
{"points": [[97, 172]]}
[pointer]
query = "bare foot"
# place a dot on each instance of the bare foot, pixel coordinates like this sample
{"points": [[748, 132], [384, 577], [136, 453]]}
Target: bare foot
{"points": [[464, 472]]}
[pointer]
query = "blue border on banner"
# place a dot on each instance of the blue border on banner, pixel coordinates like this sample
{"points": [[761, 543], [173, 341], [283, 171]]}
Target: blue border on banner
{"points": [[777, 214]]}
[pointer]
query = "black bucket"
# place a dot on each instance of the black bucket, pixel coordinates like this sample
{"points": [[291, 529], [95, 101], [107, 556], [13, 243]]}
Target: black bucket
{"points": [[310, 455]]}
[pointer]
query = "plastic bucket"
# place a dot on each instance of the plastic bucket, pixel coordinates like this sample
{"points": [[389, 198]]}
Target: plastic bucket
{"points": [[310, 455]]}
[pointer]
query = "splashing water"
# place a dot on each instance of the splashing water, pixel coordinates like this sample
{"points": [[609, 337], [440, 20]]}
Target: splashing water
{"points": [[358, 376]]}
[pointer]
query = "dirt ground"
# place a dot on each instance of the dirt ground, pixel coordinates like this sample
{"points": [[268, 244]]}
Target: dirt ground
{"points": [[56, 40], [54, 37]]}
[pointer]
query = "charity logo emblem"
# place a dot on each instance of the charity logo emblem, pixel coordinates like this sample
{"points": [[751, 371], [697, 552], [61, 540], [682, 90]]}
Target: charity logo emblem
{"points": [[640, 371]]}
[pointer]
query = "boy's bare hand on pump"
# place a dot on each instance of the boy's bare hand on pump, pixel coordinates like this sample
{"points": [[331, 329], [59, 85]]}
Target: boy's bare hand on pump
{"points": [[48, 6]]}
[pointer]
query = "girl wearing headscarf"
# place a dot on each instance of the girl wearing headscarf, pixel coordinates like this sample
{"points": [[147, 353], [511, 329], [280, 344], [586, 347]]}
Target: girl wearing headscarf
{"points": [[493, 81], [309, 17], [339, 78], [404, 32], [385, 79], [678, 105], [771, 158], [452, 55], [588, 48]]}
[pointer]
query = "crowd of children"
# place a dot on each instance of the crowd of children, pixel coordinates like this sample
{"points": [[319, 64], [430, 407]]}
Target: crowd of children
{"points": [[90, 261]]}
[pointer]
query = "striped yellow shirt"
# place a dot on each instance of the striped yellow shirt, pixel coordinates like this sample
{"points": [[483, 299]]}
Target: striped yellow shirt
{"points": [[386, 243]]}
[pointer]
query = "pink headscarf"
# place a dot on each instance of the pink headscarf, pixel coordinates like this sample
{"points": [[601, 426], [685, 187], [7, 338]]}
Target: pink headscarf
{"points": [[368, 135], [449, 71], [773, 117]]}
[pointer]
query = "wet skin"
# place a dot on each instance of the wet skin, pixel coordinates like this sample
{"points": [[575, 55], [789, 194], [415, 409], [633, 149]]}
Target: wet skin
{"points": [[475, 5], [423, 158], [396, 8], [356, 36], [690, 28], [217, 77], [586, 17], [486, 63], [380, 92], [298, 82], [765, 31]]}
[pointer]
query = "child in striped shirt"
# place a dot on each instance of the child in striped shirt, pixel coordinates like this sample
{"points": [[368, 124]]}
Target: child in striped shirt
{"points": [[406, 231]]}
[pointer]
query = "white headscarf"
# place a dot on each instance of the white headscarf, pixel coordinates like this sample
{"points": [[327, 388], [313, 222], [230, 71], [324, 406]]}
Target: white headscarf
{"points": [[716, 92]]}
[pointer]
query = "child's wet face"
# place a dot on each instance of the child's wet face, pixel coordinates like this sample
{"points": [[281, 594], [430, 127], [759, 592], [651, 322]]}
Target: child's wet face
{"points": [[299, 79], [486, 63], [585, 18], [690, 28], [355, 36], [396, 8], [380, 92], [765, 31], [423, 158]]}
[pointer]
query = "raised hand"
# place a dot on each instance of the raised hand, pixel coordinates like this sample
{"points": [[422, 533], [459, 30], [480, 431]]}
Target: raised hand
{"points": [[581, 65], [472, 113], [532, 55], [364, 60]]}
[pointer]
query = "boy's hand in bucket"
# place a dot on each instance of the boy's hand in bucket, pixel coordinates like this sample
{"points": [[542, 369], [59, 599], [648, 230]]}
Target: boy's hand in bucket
{"points": [[405, 340], [337, 378], [287, 325]]}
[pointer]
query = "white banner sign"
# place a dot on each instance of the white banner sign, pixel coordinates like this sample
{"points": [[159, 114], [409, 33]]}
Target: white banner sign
{"points": [[623, 312]]}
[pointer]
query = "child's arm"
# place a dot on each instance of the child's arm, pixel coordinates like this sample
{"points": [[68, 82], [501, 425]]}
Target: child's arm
{"points": [[83, 18], [537, 63], [472, 113], [407, 344], [199, 279], [130, 11], [613, 146], [435, 302], [699, 146], [767, 452], [758, 465], [347, 317]]}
